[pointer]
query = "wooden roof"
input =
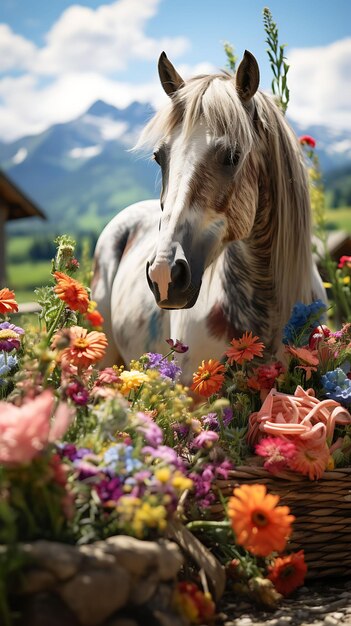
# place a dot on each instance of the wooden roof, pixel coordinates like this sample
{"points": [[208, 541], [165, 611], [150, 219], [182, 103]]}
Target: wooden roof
{"points": [[17, 203]]}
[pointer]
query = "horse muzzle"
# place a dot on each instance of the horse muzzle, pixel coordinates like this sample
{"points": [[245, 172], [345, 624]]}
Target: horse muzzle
{"points": [[172, 287]]}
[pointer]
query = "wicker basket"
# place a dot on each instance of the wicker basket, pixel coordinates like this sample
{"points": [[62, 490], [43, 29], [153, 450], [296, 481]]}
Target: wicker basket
{"points": [[322, 509]]}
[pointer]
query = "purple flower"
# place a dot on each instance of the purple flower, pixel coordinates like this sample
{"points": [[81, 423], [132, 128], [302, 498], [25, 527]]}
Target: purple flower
{"points": [[152, 433], [10, 336], [71, 452], [85, 469], [109, 489], [167, 369], [211, 421], [205, 439], [77, 392], [166, 454], [177, 346], [227, 416]]}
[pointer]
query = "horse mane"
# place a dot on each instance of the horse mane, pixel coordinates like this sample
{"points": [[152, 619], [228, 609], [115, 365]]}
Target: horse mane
{"points": [[258, 127]]}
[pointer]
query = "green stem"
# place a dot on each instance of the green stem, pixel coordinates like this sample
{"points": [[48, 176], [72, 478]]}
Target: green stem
{"points": [[207, 524], [55, 322]]}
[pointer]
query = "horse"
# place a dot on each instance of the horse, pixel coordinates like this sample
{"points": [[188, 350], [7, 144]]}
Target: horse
{"points": [[227, 247]]}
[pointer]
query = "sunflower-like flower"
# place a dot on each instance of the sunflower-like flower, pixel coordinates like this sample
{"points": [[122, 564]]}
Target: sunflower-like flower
{"points": [[72, 292], [209, 378], [260, 526], [244, 349]]}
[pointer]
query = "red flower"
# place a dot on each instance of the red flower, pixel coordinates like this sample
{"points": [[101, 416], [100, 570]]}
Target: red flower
{"points": [[307, 140], [288, 572]]}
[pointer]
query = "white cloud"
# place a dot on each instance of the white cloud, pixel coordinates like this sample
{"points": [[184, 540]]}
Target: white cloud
{"points": [[79, 63], [16, 52], [104, 39], [320, 85]]}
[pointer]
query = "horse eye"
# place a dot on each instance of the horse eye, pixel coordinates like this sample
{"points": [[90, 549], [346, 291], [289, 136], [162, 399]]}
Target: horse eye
{"points": [[231, 159], [156, 157]]}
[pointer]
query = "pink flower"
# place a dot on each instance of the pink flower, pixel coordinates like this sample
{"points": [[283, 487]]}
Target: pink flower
{"points": [[277, 451], [344, 260], [205, 439], [308, 141], [26, 430]]}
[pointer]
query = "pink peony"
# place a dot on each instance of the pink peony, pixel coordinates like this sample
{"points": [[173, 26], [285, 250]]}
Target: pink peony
{"points": [[26, 430]]}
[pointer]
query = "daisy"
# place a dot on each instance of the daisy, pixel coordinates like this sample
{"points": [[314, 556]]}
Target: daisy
{"points": [[244, 349], [310, 460], [260, 526], [8, 303], [288, 572], [85, 348], [209, 378], [71, 292]]}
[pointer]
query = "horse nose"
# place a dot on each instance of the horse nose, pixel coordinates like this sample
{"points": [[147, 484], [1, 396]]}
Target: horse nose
{"points": [[180, 274]]}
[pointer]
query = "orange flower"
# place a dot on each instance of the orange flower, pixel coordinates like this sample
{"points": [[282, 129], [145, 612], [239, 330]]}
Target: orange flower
{"points": [[71, 292], [259, 525], [8, 303], [310, 460], [95, 318], [244, 349], [85, 348], [288, 572], [309, 359], [209, 378]]}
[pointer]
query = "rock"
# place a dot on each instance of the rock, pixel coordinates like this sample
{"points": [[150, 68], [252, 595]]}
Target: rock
{"points": [[46, 609], [95, 557], [139, 557], [94, 595], [60, 559], [36, 580]]}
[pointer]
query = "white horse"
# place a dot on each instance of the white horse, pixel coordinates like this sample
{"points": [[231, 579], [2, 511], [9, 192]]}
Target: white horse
{"points": [[228, 246]]}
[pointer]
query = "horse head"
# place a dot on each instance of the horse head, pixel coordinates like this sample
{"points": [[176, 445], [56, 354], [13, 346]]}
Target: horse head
{"points": [[203, 142]]}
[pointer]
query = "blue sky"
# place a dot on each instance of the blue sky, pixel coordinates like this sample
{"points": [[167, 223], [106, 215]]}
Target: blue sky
{"points": [[58, 56]]}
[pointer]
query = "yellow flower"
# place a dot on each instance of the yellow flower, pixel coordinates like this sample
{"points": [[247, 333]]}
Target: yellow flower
{"points": [[346, 280], [163, 475], [131, 380], [180, 482], [327, 285]]}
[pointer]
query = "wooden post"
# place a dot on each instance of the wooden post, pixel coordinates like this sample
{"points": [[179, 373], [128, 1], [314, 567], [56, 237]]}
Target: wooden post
{"points": [[3, 218]]}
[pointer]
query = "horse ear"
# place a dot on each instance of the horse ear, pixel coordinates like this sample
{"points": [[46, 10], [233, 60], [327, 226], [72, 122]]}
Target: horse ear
{"points": [[247, 77], [169, 77]]}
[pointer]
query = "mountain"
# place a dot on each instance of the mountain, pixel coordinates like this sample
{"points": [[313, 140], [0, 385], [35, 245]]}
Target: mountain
{"points": [[333, 146], [81, 173]]}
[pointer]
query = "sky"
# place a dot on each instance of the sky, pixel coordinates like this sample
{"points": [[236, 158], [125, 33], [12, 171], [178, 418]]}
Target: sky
{"points": [[57, 57]]}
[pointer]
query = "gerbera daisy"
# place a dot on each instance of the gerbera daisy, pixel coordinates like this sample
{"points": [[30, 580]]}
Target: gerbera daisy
{"points": [[260, 526], [71, 292], [288, 572], [244, 349], [85, 348], [309, 460], [8, 303], [10, 336], [209, 378]]}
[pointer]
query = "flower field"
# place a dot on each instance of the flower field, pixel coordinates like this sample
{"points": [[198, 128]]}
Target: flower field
{"points": [[88, 453]]}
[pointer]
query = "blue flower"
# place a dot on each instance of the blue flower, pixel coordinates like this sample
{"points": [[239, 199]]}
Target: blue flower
{"points": [[337, 386], [6, 366], [303, 315]]}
